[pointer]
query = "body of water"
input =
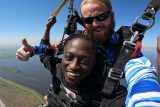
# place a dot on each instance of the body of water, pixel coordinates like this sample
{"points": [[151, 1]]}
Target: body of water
{"points": [[29, 73], [33, 74]]}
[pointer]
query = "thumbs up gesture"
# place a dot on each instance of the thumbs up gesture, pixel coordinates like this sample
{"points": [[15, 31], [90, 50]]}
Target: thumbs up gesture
{"points": [[24, 52]]}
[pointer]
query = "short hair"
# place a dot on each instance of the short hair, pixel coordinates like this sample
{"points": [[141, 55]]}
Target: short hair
{"points": [[106, 2], [98, 48], [81, 35]]}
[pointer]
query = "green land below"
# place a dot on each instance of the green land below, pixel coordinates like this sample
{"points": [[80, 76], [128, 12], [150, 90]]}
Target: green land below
{"points": [[13, 94], [16, 95]]}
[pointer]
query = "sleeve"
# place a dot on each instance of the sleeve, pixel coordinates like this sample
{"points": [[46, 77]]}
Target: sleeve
{"points": [[142, 84], [44, 47], [38, 49], [47, 55]]}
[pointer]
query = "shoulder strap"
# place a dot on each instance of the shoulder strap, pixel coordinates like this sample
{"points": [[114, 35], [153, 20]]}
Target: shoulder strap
{"points": [[116, 73], [137, 30]]}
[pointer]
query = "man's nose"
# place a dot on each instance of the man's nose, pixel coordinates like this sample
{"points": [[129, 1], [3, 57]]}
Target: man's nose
{"points": [[74, 65], [95, 22]]}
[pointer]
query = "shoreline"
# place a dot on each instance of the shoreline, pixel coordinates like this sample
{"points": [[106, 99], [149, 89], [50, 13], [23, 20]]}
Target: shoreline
{"points": [[16, 95]]}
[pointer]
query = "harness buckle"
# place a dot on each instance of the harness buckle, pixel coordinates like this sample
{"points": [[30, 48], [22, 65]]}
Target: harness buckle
{"points": [[115, 74]]}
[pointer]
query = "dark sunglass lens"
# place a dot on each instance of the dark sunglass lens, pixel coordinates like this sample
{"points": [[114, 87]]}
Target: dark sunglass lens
{"points": [[102, 17], [88, 20]]}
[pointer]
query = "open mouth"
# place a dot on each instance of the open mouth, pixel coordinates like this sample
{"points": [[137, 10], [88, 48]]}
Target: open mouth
{"points": [[73, 74], [98, 29]]}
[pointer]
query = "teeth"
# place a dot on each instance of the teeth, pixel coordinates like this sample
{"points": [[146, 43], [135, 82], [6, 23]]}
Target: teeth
{"points": [[98, 29], [72, 74]]}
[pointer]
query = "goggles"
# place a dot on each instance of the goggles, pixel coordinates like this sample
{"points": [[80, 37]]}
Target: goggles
{"points": [[99, 17]]}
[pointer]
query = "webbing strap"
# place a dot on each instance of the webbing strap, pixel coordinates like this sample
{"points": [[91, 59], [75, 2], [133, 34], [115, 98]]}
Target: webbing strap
{"points": [[148, 16], [116, 73], [137, 49], [151, 9], [138, 29], [125, 54]]}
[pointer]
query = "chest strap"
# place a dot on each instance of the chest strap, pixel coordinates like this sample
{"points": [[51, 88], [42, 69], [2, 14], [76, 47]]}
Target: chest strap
{"points": [[116, 73], [129, 47]]}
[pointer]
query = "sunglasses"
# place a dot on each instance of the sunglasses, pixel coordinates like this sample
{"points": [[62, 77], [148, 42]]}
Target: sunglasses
{"points": [[99, 17]]}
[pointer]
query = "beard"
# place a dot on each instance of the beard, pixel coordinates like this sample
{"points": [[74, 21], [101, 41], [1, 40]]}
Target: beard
{"points": [[102, 33]]}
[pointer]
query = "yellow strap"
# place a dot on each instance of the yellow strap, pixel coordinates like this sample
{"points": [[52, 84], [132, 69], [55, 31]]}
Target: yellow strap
{"points": [[59, 8]]}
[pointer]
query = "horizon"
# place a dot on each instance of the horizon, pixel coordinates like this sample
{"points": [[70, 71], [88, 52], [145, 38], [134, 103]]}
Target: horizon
{"points": [[27, 19]]}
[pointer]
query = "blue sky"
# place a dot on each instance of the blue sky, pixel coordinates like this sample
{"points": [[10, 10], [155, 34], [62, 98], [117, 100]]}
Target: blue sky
{"points": [[27, 18]]}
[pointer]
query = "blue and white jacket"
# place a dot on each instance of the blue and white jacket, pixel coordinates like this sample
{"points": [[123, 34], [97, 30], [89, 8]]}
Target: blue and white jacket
{"points": [[141, 77], [142, 84]]}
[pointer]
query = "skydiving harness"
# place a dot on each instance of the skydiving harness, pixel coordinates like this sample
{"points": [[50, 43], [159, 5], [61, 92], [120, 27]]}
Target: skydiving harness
{"points": [[71, 25], [130, 48]]}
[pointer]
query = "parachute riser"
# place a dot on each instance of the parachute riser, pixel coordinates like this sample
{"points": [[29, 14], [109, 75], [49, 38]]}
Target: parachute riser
{"points": [[148, 16]]}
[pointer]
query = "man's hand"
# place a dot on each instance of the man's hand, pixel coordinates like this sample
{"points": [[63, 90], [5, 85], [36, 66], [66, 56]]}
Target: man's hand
{"points": [[51, 22], [24, 52]]}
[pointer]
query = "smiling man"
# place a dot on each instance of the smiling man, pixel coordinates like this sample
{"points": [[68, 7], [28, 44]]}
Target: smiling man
{"points": [[72, 77], [78, 60], [78, 77]]}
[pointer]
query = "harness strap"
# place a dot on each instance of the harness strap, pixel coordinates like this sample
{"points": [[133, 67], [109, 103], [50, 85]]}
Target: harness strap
{"points": [[137, 49], [116, 73], [66, 99], [130, 48], [151, 9], [59, 8], [148, 16]]}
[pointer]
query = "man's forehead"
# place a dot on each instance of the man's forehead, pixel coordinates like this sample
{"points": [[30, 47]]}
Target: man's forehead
{"points": [[79, 44]]}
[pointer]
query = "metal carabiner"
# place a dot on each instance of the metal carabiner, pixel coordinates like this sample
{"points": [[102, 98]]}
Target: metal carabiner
{"points": [[150, 23]]}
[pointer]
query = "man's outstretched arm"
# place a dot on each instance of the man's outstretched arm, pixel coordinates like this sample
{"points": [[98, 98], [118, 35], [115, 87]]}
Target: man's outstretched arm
{"points": [[142, 83]]}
